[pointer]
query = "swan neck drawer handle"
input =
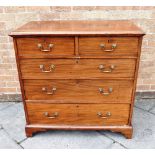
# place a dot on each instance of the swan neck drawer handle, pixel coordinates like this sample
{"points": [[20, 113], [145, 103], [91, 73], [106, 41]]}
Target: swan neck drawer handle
{"points": [[50, 46], [113, 47], [102, 68], [51, 68], [108, 114], [101, 90], [51, 116], [44, 89]]}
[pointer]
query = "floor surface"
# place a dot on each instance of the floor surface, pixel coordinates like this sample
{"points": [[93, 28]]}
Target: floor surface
{"points": [[12, 135]]}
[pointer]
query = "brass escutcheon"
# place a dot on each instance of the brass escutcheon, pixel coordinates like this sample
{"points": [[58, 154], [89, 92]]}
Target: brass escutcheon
{"points": [[102, 68], [108, 114], [51, 68], [113, 46], [40, 46], [101, 90], [44, 89], [51, 116]]}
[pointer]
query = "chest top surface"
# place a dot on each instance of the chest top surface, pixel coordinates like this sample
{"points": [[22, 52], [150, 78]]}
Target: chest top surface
{"points": [[64, 27]]}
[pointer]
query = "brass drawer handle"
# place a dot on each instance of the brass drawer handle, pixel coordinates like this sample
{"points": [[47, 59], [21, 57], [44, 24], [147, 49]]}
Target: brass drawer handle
{"points": [[52, 116], [101, 90], [102, 68], [40, 46], [51, 68], [108, 114], [44, 89], [113, 46]]}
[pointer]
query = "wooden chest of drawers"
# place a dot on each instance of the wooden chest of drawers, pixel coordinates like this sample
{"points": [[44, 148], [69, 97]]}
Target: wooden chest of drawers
{"points": [[78, 75]]}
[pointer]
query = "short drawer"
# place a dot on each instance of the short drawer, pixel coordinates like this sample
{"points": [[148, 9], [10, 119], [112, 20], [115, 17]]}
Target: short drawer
{"points": [[45, 47], [103, 114], [75, 114], [108, 46], [41, 113], [77, 69], [81, 91]]}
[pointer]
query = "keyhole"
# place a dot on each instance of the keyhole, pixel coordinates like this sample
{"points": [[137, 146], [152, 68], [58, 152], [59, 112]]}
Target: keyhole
{"points": [[110, 40], [45, 42], [77, 61]]}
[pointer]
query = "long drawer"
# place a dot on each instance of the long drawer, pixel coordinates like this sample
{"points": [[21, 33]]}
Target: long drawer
{"points": [[40, 47], [108, 46], [75, 114], [80, 91], [77, 69]]}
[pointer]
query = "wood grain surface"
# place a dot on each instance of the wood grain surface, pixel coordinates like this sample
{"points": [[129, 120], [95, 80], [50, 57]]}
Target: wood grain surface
{"points": [[75, 114], [124, 46], [79, 91], [77, 27], [61, 46], [77, 68]]}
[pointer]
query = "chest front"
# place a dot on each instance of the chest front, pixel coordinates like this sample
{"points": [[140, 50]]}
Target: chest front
{"points": [[78, 79]]}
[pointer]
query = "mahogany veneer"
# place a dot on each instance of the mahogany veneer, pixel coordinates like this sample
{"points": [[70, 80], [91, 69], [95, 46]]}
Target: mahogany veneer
{"points": [[78, 75]]}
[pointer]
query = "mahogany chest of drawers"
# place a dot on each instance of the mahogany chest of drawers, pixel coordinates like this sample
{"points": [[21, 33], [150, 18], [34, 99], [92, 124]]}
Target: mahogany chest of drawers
{"points": [[78, 75]]}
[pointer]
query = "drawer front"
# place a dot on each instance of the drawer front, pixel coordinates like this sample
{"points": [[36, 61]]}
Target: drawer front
{"points": [[108, 46], [75, 114], [77, 69], [52, 113], [81, 91], [45, 47], [103, 114]]}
